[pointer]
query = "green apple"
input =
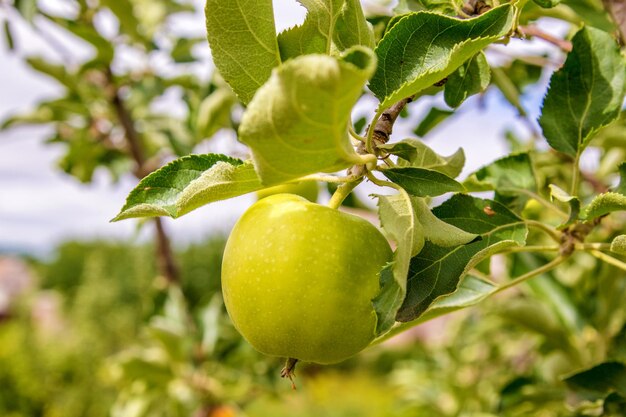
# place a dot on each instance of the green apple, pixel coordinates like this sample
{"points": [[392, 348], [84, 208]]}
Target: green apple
{"points": [[306, 189], [298, 279]]}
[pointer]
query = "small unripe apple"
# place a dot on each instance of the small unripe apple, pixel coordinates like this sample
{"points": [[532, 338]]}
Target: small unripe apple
{"points": [[298, 279], [306, 189]]}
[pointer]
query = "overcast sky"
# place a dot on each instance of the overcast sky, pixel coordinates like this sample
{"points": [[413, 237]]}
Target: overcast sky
{"points": [[40, 205]]}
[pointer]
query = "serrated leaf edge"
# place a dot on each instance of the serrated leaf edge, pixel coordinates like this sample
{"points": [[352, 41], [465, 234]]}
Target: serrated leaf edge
{"points": [[399, 94]]}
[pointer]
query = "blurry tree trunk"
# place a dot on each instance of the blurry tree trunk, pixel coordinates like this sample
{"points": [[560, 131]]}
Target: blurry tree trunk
{"points": [[165, 257]]}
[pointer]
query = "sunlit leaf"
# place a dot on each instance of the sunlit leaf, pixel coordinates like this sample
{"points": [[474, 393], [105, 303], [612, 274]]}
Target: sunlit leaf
{"points": [[188, 183], [618, 245], [586, 93], [243, 43], [297, 124], [330, 26], [604, 204], [561, 195], [423, 48]]}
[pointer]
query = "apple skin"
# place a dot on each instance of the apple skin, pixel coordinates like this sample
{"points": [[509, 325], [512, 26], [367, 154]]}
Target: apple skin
{"points": [[298, 279], [306, 189]]}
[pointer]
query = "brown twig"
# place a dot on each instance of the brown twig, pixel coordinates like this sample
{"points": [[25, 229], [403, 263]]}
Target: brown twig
{"points": [[131, 134], [165, 256], [535, 31], [384, 125], [381, 133], [617, 10]]}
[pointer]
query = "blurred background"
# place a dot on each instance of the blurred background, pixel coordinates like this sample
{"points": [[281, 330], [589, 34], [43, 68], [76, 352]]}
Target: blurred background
{"points": [[126, 319]]}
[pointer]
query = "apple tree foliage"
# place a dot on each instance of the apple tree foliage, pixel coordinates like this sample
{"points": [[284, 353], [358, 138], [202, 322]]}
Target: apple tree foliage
{"points": [[553, 223]]}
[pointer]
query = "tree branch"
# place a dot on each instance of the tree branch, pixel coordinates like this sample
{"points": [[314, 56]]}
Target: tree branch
{"points": [[383, 127], [165, 256], [617, 10], [378, 134], [534, 31], [131, 134]]}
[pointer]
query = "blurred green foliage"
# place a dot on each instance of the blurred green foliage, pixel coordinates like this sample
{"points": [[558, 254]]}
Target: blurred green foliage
{"points": [[136, 347], [92, 301]]}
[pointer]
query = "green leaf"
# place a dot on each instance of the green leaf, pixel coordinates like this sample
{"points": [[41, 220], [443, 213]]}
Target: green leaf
{"points": [[243, 42], [618, 245], [508, 89], [414, 153], [448, 7], [214, 112], [522, 73], [433, 119], [103, 47], [124, 10], [436, 271], [423, 48], [58, 72], [614, 405], [297, 124], [331, 26], [392, 292], [471, 78], [436, 230], [586, 93], [440, 6], [41, 115], [188, 183], [547, 4], [603, 378], [8, 35], [27, 8], [422, 182], [351, 27], [399, 222], [512, 177], [182, 52], [604, 204], [536, 316], [561, 195], [470, 292]]}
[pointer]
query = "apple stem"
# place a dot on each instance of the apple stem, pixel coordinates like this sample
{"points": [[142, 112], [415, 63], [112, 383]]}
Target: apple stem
{"points": [[342, 192], [288, 371]]}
